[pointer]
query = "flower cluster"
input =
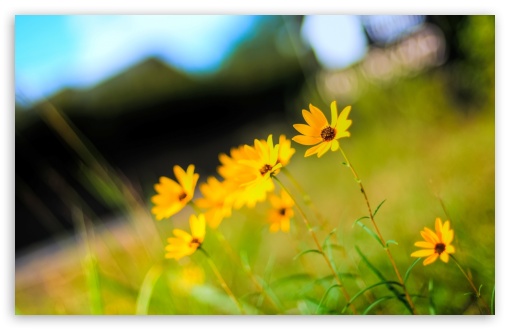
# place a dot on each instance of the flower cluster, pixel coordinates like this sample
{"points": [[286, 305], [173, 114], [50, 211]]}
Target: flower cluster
{"points": [[245, 181]]}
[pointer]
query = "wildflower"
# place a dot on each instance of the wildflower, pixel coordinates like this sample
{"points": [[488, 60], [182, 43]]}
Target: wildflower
{"points": [[173, 196], [217, 200], [262, 160], [249, 168], [286, 151], [281, 212], [320, 133], [185, 244], [436, 244]]}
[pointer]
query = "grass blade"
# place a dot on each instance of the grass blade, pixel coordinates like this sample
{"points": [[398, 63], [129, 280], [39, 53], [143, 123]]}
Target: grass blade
{"points": [[325, 296], [408, 272], [145, 293], [375, 303], [378, 206], [359, 293], [383, 279], [305, 252], [368, 230]]}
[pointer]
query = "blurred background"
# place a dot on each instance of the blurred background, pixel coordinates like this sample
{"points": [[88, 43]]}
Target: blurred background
{"points": [[105, 105]]}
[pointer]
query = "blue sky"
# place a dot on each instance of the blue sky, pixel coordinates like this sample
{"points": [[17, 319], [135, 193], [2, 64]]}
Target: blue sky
{"points": [[52, 52]]}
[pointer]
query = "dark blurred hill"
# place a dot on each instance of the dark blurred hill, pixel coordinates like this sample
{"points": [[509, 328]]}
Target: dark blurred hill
{"points": [[143, 121]]}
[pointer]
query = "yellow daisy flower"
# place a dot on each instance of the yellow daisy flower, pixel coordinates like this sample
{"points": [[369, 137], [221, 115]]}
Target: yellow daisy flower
{"points": [[286, 151], [320, 133], [436, 244], [185, 244], [281, 212], [237, 174], [262, 160], [173, 196], [217, 200]]}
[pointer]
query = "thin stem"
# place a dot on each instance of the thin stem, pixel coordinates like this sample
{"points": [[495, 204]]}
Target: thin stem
{"points": [[250, 274], [400, 279], [306, 198], [236, 259], [222, 281], [319, 247], [477, 293]]}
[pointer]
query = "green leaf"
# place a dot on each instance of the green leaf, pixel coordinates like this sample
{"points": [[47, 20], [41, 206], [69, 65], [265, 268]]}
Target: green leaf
{"points": [[375, 303], [359, 219], [327, 238], [359, 293], [325, 296], [378, 206], [432, 305], [381, 277], [291, 279], [408, 272], [305, 252], [368, 230], [390, 241], [145, 294]]}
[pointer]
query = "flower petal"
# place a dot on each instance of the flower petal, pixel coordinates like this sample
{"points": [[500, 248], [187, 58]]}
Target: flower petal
{"points": [[182, 234], [197, 225], [430, 259], [323, 149], [444, 257], [335, 145], [422, 253], [334, 114], [426, 245], [319, 117], [306, 140], [313, 150], [307, 130]]}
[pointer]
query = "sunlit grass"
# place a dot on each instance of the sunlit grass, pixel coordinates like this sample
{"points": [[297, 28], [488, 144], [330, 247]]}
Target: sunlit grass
{"points": [[420, 165]]}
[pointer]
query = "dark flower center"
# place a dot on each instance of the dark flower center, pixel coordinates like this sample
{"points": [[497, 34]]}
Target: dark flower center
{"points": [[196, 242], [440, 247], [266, 168], [328, 133], [282, 211], [182, 196]]}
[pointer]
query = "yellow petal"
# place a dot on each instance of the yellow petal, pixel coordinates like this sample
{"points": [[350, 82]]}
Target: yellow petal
{"points": [[197, 225], [426, 245], [285, 225], [180, 175], [307, 130], [313, 150], [319, 117], [449, 249], [310, 119], [274, 227], [444, 257], [306, 140], [335, 145], [323, 149], [438, 225], [342, 119], [334, 114], [422, 253], [429, 236], [430, 259], [182, 234]]}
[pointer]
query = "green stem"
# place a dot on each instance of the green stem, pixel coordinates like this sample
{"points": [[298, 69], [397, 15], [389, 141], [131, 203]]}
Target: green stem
{"points": [[388, 252], [319, 247], [222, 281], [477, 293], [306, 198]]}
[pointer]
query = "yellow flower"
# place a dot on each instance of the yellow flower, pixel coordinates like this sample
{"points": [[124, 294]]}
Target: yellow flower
{"points": [[217, 200], [262, 160], [249, 169], [281, 212], [173, 196], [436, 244], [185, 244], [286, 151], [320, 133]]}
